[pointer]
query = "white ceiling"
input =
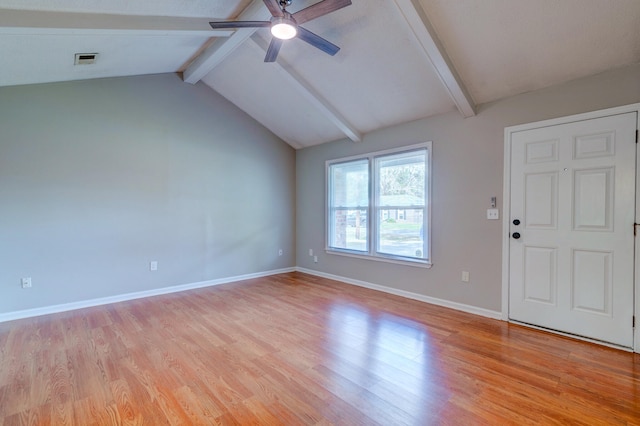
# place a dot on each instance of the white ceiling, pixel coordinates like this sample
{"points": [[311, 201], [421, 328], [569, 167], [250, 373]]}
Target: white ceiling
{"points": [[400, 60]]}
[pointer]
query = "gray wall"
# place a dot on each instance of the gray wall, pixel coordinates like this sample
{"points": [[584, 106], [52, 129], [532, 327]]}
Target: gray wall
{"points": [[467, 172], [97, 178]]}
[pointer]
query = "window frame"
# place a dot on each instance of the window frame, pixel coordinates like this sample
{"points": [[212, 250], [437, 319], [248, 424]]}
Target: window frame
{"points": [[372, 227], [329, 210]]}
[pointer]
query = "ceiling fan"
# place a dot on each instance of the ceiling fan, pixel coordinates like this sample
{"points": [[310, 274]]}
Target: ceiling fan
{"points": [[285, 25]]}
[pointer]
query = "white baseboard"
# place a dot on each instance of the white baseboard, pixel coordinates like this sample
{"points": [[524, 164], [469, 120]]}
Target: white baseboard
{"points": [[409, 295], [28, 313]]}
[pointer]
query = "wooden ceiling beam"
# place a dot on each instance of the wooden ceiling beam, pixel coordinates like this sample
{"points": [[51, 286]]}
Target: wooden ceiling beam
{"points": [[424, 32], [31, 22], [220, 49], [311, 95]]}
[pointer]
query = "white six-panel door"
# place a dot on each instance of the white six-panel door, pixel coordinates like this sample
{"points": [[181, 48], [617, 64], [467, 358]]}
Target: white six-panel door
{"points": [[572, 213]]}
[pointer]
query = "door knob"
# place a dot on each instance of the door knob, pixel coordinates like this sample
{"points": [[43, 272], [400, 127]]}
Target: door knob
{"points": [[516, 235], [516, 222]]}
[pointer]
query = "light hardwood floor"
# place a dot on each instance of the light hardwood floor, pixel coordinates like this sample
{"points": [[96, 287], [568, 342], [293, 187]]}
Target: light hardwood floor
{"points": [[296, 349]]}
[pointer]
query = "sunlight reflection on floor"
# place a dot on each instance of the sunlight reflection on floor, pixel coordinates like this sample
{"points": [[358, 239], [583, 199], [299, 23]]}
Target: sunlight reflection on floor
{"points": [[389, 355]]}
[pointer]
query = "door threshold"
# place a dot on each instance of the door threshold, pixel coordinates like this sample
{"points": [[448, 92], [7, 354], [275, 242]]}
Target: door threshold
{"points": [[573, 336]]}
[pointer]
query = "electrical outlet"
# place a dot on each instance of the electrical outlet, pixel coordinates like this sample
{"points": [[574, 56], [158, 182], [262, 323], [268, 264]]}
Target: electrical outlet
{"points": [[26, 282], [280, 252], [315, 259], [493, 214], [153, 265], [465, 276], [310, 252]]}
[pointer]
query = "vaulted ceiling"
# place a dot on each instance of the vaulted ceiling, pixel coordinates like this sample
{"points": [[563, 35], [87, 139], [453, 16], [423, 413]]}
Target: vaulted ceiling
{"points": [[400, 60]]}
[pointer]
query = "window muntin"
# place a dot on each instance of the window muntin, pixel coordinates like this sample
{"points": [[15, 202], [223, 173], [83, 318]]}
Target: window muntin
{"points": [[392, 221]]}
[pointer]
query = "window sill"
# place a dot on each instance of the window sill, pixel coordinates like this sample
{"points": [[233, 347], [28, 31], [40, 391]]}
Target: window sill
{"points": [[414, 263]]}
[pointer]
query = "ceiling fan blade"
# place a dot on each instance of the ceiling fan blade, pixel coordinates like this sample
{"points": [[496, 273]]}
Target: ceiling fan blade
{"points": [[273, 50], [317, 41], [319, 9], [221, 25], [274, 7]]}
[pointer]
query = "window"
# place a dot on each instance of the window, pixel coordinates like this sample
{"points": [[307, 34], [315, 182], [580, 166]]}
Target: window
{"points": [[378, 205], [349, 201]]}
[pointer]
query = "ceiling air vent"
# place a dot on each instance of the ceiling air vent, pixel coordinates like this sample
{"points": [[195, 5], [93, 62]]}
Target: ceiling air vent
{"points": [[86, 58]]}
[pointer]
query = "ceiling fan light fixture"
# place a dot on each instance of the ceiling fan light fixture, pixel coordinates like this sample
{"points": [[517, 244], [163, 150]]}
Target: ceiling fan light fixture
{"points": [[283, 28], [284, 25]]}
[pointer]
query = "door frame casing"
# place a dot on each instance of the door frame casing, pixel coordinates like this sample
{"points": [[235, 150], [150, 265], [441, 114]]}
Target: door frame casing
{"points": [[506, 203]]}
